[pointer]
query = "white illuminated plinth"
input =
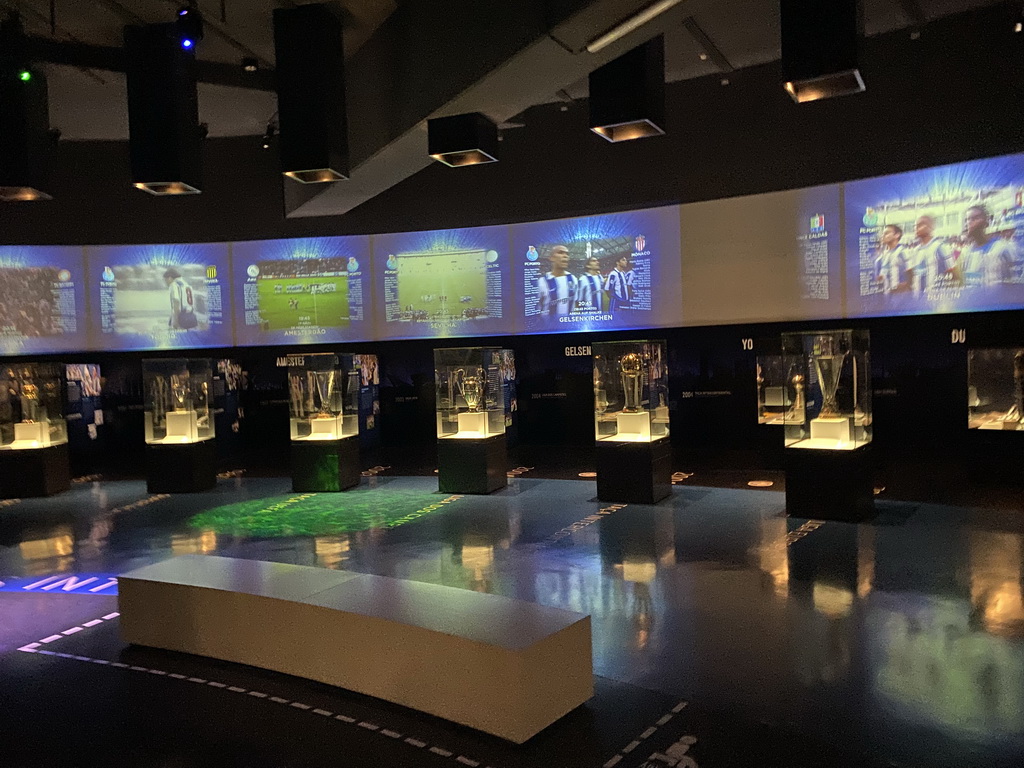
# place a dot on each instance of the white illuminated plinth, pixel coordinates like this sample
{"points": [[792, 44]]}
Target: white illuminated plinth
{"points": [[835, 429], [35, 434], [181, 427], [633, 427], [472, 424]]}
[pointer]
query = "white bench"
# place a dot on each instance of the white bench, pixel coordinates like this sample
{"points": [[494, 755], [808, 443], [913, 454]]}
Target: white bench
{"points": [[500, 665]]}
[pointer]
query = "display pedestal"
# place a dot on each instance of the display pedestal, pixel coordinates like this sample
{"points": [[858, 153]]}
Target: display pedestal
{"points": [[634, 473], [472, 466], [34, 471], [829, 485], [181, 467], [325, 465]]}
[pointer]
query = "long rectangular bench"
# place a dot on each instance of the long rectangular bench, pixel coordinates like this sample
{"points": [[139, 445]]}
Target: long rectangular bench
{"points": [[497, 664]]}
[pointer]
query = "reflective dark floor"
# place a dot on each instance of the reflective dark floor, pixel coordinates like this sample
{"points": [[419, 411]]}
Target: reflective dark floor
{"points": [[895, 642]]}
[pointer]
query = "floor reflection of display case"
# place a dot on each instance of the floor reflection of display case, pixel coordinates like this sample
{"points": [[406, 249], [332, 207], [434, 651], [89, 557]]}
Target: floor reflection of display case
{"points": [[324, 401], [33, 432], [180, 453], [779, 391], [828, 436], [995, 389], [471, 447], [631, 421]]}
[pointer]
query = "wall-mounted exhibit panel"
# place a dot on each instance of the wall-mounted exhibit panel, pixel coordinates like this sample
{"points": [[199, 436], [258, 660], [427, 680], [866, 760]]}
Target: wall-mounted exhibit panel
{"points": [[775, 256], [939, 240], [302, 291], [599, 273], [42, 300], [444, 283], [159, 296]]}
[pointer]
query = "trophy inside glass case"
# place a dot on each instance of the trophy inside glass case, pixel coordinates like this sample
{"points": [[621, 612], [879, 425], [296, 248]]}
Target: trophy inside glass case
{"points": [[324, 397], [469, 398], [995, 389], [630, 391], [830, 383], [780, 391], [178, 400], [32, 406]]}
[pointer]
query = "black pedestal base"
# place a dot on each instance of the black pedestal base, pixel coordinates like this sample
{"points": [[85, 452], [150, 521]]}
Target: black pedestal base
{"points": [[829, 485], [325, 465], [472, 466], [34, 472], [181, 467], [634, 473]]}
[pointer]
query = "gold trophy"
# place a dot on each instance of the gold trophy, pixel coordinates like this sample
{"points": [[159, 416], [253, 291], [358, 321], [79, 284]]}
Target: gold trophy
{"points": [[631, 366], [471, 388], [828, 364]]}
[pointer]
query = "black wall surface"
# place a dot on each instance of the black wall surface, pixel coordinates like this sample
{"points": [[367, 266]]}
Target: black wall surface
{"points": [[955, 94]]}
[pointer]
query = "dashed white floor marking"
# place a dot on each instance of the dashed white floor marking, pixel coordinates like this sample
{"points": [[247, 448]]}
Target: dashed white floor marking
{"points": [[615, 759], [373, 727]]}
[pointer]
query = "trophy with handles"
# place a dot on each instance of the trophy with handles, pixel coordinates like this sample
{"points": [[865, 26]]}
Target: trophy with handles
{"points": [[471, 387]]}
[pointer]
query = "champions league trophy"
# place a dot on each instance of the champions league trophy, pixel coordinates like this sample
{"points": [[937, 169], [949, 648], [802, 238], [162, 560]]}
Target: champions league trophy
{"points": [[828, 364], [179, 391], [631, 367], [471, 388], [325, 391]]}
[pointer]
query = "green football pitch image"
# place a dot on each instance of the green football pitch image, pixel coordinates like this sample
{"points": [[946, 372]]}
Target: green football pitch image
{"points": [[443, 283], [292, 302]]}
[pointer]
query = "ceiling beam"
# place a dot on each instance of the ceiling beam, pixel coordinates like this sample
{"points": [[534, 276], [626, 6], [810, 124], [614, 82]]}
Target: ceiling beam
{"points": [[707, 45], [85, 55]]}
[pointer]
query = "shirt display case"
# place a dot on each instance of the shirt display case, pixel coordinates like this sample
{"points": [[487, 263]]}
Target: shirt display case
{"points": [[179, 425], [32, 406], [324, 391], [34, 459], [470, 415], [630, 391], [324, 397], [469, 400], [780, 391], [829, 472], [995, 389], [631, 421], [829, 374]]}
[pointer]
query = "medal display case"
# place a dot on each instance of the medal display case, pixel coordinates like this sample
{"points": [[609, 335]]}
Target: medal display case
{"points": [[828, 436], [323, 391], [33, 431], [470, 412], [780, 391], [995, 389], [631, 421], [179, 426]]}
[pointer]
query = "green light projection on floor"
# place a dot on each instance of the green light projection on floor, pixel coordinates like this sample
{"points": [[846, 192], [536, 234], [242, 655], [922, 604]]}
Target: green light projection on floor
{"points": [[321, 514]]}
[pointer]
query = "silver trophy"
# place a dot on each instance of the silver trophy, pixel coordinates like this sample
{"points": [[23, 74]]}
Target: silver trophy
{"points": [[600, 394], [632, 368], [179, 391], [828, 364], [471, 387], [325, 392]]}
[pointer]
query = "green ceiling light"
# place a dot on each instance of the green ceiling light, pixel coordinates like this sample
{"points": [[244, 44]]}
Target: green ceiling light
{"points": [[24, 75]]}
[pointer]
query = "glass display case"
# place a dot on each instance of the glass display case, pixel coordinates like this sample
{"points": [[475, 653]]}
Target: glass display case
{"points": [[469, 400], [324, 397], [630, 391], [178, 400], [830, 375], [779, 391], [995, 389], [32, 406]]}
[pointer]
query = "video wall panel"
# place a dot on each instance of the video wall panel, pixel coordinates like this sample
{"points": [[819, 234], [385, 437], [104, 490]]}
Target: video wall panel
{"points": [[938, 240], [42, 299], [159, 296], [443, 283], [302, 291], [947, 239], [597, 273]]}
